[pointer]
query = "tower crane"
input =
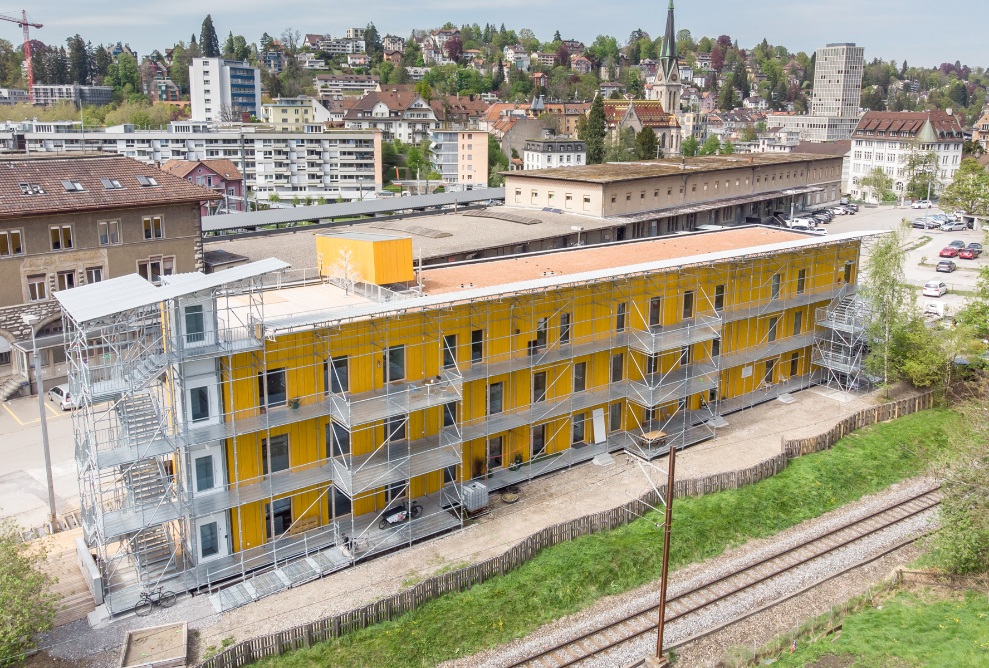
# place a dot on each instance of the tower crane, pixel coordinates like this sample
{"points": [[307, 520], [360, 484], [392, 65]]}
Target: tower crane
{"points": [[24, 23]]}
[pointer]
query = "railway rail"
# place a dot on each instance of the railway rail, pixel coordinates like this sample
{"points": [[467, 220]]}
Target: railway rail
{"points": [[607, 637]]}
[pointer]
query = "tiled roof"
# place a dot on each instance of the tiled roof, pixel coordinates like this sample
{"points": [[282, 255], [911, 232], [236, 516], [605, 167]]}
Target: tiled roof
{"points": [[44, 177], [944, 125], [182, 168]]}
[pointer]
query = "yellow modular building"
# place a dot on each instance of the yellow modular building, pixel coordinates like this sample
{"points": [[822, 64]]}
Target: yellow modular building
{"points": [[232, 422]]}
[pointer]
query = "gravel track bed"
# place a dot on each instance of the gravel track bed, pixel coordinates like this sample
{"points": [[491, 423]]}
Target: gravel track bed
{"points": [[614, 608]]}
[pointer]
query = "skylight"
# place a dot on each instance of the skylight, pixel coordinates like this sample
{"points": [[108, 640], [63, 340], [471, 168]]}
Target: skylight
{"points": [[31, 189], [111, 184], [72, 186], [147, 181]]}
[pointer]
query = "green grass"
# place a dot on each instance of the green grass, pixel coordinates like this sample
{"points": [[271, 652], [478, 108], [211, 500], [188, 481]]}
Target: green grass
{"points": [[571, 576], [909, 629]]}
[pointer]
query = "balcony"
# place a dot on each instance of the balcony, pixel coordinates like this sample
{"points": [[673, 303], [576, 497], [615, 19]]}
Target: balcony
{"points": [[685, 381], [682, 430], [766, 392], [838, 359], [541, 356], [657, 338], [743, 311], [222, 341], [395, 462], [788, 344], [257, 489]]}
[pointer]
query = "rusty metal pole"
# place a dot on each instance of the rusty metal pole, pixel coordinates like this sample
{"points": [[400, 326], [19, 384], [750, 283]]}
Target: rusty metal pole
{"points": [[667, 529]]}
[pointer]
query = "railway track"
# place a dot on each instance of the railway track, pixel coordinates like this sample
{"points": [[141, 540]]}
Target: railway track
{"points": [[605, 638]]}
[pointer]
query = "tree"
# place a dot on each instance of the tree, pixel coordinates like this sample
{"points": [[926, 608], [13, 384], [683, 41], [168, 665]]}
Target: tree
{"points": [[689, 147], [26, 599], [728, 99], [595, 131], [712, 145], [976, 311], [497, 162], [208, 41], [646, 144], [78, 60], [622, 146], [124, 75], [922, 171], [970, 189], [879, 184], [454, 48], [885, 295], [727, 148]]}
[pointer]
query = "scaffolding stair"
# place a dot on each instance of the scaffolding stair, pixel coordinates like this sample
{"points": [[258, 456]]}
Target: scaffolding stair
{"points": [[152, 548], [148, 369], [146, 482], [140, 419]]}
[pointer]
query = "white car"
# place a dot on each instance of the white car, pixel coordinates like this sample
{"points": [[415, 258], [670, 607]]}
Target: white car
{"points": [[935, 289], [953, 226], [60, 393], [922, 204]]}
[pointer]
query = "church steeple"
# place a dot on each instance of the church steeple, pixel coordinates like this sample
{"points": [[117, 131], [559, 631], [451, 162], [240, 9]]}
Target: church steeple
{"points": [[667, 86], [668, 57]]}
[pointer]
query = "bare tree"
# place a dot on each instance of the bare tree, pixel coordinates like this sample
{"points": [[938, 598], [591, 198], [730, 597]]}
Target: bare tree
{"points": [[290, 40], [227, 114], [345, 270]]}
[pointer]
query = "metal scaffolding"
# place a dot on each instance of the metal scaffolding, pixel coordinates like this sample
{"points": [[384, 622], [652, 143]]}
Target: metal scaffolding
{"points": [[841, 342]]}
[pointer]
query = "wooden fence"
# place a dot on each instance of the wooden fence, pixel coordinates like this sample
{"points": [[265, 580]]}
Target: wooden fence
{"points": [[306, 635]]}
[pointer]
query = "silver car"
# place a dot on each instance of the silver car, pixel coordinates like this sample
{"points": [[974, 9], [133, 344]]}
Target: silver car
{"points": [[60, 393]]}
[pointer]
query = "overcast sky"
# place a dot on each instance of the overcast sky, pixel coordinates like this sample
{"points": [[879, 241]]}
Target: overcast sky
{"points": [[923, 32]]}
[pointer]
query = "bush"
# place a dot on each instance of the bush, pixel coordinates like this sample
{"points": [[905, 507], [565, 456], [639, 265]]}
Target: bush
{"points": [[27, 604]]}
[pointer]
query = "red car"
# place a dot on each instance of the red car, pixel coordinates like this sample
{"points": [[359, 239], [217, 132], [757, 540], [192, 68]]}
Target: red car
{"points": [[967, 254], [949, 252]]}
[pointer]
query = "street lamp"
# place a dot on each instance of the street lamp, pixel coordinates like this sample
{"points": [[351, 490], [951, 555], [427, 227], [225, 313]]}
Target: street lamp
{"points": [[30, 321], [660, 661]]}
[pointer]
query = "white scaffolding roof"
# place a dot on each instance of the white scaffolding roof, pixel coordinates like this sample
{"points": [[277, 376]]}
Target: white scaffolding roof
{"points": [[98, 300]]}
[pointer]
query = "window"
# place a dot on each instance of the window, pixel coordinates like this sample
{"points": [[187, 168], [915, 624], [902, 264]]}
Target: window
{"points": [[775, 290], [655, 311], [564, 328], [801, 281], [152, 227], [794, 364], [719, 298], [538, 387], [686, 355], [204, 473], [10, 243], [336, 377], [652, 364], [620, 317], [494, 453], [616, 417], [395, 363], [449, 351], [848, 272], [617, 367], [538, 440], [148, 181], [271, 388], [450, 414], [773, 321], [94, 274], [37, 287], [65, 280], [578, 428], [195, 324], [477, 345], [580, 376], [209, 539], [274, 455], [109, 231], [541, 327], [61, 237], [715, 347], [395, 427], [770, 367], [337, 440], [72, 186], [798, 317], [278, 516], [688, 304], [199, 403], [155, 267], [495, 404], [111, 184]]}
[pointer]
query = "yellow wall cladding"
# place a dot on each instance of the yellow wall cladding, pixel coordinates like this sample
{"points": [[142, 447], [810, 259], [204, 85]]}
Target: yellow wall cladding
{"points": [[368, 258]]}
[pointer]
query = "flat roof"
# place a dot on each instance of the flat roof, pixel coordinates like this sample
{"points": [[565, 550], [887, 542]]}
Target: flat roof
{"points": [[612, 172], [440, 280]]}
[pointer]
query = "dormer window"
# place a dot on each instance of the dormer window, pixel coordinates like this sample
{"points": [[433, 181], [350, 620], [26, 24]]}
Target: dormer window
{"points": [[31, 189], [72, 186]]}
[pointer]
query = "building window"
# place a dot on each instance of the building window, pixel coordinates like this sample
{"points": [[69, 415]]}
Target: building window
{"points": [[542, 325], [495, 403], [37, 287], [271, 388], [195, 324], [335, 374], [494, 453], [449, 351], [770, 367], [395, 427], [775, 290], [655, 311], [688, 304], [773, 321], [617, 367], [274, 454], [209, 539], [798, 317], [204, 473], [621, 317], [794, 364], [538, 441], [578, 428], [616, 417], [477, 345], [337, 440], [580, 377], [395, 363], [155, 267], [152, 227], [10, 243], [450, 414], [61, 237], [65, 280], [801, 281], [94, 274], [564, 328], [109, 231], [719, 298], [278, 517], [715, 347], [538, 387], [199, 404]]}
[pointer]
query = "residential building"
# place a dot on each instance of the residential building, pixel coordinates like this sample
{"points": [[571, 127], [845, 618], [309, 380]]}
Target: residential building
{"points": [[223, 90], [299, 417], [220, 176], [357, 60], [70, 221], [393, 43], [554, 152], [309, 61], [567, 115], [637, 114], [703, 61], [461, 156], [46, 95], [442, 36], [10, 96], [355, 33], [288, 114], [544, 58], [318, 162], [980, 131], [341, 47], [346, 84], [517, 57], [887, 139], [399, 112], [581, 65], [274, 60]]}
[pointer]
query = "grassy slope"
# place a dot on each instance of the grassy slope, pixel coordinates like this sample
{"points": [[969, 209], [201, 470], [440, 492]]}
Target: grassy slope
{"points": [[566, 578], [909, 630]]}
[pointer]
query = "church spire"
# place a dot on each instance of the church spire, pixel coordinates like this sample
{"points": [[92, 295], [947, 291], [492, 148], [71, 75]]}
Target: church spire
{"points": [[668, 57]]}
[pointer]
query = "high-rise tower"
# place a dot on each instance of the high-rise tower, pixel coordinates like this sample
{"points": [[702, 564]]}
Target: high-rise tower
{"points": [[667, 86]]}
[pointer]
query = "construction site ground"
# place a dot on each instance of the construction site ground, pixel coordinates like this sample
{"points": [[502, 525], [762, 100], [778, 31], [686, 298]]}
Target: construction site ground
{"points": [[750, 437]]}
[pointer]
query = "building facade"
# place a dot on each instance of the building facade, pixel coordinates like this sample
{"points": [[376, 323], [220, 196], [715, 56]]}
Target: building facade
{"points": [[461, 157], [288, 114], [548, 153], [279, 428], [223, 90], [220, 176], [47, 95], [73, 221]]}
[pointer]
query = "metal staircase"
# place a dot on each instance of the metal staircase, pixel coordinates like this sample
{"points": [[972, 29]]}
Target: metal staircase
{"points": [[146, 482], [140, 419], [842, 342], [155, 554]]}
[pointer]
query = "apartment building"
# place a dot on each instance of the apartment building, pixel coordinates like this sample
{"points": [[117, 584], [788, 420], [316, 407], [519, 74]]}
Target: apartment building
{"points": [[220, 176], [9, 96], [318, 162], [461, 157], [70, 221], [288, 114], [887, 139], [980, 131], [554, 152], [338, 85], [223, 90], [47, 95], [398, 112]]}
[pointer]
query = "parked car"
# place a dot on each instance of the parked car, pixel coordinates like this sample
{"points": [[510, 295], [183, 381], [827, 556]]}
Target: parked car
{"points": [[952, 226], [922, 204], [843, 201], [956, 243], [977, 247], [60, 393], [949, 251], [945, 266], [853, 207], [838, 211], [968, 254], [935, 288]]}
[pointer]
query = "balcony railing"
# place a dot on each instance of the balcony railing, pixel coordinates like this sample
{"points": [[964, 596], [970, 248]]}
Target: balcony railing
{"points": [[657, 338], [775, 305], [660, 388], [222, 341]]}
